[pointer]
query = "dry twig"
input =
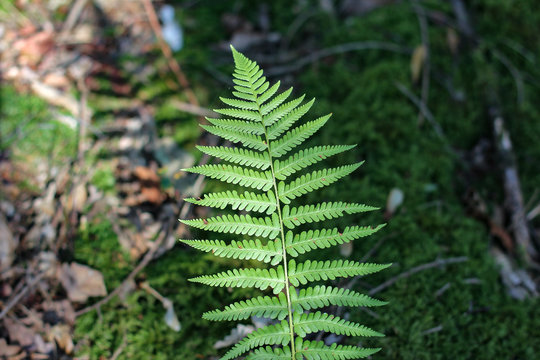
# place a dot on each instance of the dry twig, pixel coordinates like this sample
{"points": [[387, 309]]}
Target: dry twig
{"points": [[173, 64], [417, 269]]}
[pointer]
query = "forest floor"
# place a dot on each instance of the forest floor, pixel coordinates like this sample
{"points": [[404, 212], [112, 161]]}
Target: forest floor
{"points": [[93, 135]]}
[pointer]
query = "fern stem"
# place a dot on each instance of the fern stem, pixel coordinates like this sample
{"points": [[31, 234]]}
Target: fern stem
{"points": [[283, 248]]}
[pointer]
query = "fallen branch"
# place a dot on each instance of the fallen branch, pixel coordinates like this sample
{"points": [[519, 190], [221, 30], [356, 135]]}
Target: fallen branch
{"points": [[17, 298], [428, 115], [512, 187], [417, 269], [173, 64], [334, 50]]}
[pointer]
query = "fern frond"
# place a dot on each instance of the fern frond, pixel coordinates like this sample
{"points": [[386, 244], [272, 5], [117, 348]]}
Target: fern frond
{"points": [[309, 271], [243, 278], [243, 249], [305, 158], [321, 296], [320, 239], [270, 335], [262, 306], [295, 216], [297, 136], [314, 322], [246, 127], [267, 353], [313, 181], [236, 175], [248, 140], [246, 201], [239, 224], [238, 156], [318, 350], [266, 126]]}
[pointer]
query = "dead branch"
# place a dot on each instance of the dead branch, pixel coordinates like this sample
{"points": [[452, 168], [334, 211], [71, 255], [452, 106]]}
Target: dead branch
{"points": [[173, 64], [73, 17], [334, 50], [17, 298], [428, 115], [512, 187], [193, 109], [417, 269]]}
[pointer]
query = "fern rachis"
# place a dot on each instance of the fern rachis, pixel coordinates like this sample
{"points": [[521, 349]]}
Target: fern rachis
{"points": [[266, 127]]}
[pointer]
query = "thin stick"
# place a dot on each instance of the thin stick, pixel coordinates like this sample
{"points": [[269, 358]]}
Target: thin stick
{"points": [[416, 269], [173, 64], [516, 75], [17, 298], [428, 115], [73, 16], [339, 49], [140, 266], [121, 348]]}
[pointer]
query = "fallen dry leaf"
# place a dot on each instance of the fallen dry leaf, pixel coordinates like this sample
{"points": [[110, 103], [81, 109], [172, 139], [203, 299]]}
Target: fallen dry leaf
{"points": [[61, 333], [8, 244], [146, 174], [452, 39], [417, 62], [8, 350], [81, 282], [395, 199], [19, 333], [77, 198]]}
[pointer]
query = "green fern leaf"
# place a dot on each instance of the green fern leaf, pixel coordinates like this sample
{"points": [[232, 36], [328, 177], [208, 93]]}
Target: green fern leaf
{"points": [[329, 270], [238, 156], [241, 114], [246, 105], [243, 278], [268, 93], [278, 100], [288, 120], [245, 127], [297, 136], [321, 296], [236, 175], [318, 350], [244, 249], [313, 181], [268, 353], [266, 125], [305, 158], [247, 201], [320, 239], [248, 140], [239, 224], [270, 335], [262, 306], [295, 216], [318, 321]]}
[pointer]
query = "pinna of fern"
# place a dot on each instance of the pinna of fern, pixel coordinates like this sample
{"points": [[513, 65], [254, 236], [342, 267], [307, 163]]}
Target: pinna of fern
{"points": [[266, 128]]}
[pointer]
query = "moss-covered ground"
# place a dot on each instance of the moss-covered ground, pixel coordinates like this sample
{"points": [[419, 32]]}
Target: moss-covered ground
{"points": [[475, 319]]}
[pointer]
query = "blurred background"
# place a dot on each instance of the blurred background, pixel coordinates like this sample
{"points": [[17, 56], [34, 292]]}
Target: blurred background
{"points": [[101, 102]]}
